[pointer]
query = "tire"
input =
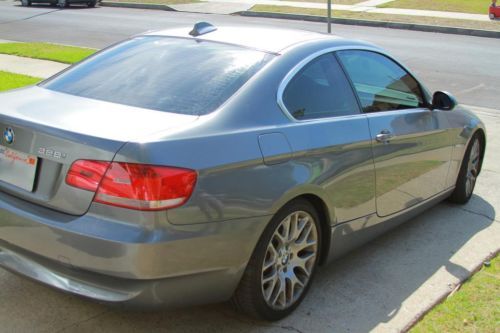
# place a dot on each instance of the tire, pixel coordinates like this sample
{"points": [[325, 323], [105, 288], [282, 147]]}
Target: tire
{"points": [[282, 265], [469, 170], [62, 4], [91, 4], [26, 3], [492, 16]]}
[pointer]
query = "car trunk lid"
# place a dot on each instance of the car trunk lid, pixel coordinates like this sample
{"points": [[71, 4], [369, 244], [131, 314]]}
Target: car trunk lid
{"points": [[51, 130]]}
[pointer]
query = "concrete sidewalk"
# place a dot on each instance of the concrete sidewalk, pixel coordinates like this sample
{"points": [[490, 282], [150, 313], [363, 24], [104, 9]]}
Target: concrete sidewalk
{"points": [[32, 67]]}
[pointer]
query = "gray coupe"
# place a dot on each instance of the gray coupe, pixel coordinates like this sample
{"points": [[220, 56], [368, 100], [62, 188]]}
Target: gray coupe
{"points": [[199, 165]]}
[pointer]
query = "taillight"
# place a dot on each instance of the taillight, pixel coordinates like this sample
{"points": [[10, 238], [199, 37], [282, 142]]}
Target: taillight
{"points": [[144, 187], [86, 174]]}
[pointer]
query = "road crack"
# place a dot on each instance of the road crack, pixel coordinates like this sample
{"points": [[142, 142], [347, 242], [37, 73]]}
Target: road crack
{"points": [[30, 17], [289, 328], [69, 327], [489, 170]]}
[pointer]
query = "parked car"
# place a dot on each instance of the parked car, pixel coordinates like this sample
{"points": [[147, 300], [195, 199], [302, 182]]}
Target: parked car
{"points": [[60, 3], [494, 12], [192, 166]]}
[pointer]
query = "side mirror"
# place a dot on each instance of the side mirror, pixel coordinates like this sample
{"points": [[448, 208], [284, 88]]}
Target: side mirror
{"points": [[443, 100]]}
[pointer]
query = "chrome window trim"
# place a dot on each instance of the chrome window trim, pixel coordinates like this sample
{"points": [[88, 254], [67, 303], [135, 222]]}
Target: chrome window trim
{"points": [[291, 74]]}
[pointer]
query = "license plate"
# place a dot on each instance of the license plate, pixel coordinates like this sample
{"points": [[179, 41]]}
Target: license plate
{"points": [[17, 168]]}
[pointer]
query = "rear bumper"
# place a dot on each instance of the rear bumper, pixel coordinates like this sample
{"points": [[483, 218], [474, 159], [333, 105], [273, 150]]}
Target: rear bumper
{"points": [[116, 262], [197, 288]]}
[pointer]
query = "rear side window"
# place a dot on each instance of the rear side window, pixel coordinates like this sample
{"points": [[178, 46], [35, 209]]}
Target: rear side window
{"points": [[177, 75], [381, 84], [320, 90]]}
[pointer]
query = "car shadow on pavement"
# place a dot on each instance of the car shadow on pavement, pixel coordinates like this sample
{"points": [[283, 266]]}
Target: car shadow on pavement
{"points": [[357, 293]]}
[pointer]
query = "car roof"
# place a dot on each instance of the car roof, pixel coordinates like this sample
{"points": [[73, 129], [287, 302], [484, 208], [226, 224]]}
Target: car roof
{"points": [[273, 40]]}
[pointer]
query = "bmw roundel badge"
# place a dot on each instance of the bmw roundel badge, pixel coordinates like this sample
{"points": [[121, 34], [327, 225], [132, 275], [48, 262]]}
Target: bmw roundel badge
{"points": [[8, 135]]}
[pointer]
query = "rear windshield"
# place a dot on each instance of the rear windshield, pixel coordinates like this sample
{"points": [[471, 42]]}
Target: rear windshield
{"points": [[177, 75]]}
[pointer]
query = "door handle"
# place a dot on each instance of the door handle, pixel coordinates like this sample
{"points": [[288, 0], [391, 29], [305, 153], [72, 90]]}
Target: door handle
{"points": [[384, 137]]}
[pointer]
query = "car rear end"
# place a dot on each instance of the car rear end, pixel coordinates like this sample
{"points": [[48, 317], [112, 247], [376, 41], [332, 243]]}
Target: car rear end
{"points": [[76, 218]]}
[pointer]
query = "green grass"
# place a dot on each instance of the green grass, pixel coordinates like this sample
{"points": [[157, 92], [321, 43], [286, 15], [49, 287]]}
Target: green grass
{"points": [[468, 24], [47, 51], [11, 81], [462, 6], [473, 308]]}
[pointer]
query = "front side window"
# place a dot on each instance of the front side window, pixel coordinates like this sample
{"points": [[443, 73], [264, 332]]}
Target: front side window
{"points": [[320, 90], [381, 84], [177, 75]]}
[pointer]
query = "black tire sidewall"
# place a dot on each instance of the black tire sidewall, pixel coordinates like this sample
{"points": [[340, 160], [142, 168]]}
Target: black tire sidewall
{"points": [[460, 195]]}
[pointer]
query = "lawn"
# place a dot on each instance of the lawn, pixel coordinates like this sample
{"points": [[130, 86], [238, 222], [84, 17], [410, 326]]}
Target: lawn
{"points": [[12, 81], [475, 307], [462, 6], [47, 51], [468, 24]]}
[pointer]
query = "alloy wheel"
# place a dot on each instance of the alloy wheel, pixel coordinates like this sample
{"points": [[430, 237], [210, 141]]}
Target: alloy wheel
{"points": [[289, 260], [472, 167]]}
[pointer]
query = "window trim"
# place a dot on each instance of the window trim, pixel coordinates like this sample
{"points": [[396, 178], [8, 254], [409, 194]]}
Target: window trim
{"points": [[305, 61]]}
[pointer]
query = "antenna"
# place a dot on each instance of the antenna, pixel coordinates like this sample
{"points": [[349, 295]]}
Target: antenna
{"points": [[202, 28]]}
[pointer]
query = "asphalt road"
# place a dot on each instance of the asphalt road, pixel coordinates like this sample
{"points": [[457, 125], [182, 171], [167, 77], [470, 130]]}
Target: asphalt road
{"points": [[466, 66]]}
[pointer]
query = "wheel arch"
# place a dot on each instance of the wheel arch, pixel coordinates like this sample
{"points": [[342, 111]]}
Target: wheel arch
{"points": [[324, 221]]}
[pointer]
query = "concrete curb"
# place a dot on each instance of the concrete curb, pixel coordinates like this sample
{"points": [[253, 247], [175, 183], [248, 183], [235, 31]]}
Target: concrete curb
{"points": [[381, 24], [445, 296], [136, 5]]}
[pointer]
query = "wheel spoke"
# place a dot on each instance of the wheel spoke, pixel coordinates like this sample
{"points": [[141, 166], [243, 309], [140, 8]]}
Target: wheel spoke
{"points": [[271, 256], [271, 282], [295, 285], [279, 295]]}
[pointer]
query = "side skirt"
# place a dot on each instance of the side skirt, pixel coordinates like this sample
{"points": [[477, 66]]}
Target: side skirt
{"points": [[352, 234]]}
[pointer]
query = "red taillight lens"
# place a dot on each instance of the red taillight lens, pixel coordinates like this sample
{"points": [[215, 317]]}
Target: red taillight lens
{"points": [[145, 187], [86, 174], [134, 186]]}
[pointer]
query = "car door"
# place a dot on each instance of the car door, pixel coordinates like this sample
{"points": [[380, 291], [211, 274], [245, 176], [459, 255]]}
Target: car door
{"points": [[411, 144], [330, 137]]}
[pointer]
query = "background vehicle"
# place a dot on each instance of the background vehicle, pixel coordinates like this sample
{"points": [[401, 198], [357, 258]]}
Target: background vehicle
{"points": [[60, 3], [494, 12], [199, 165]]}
